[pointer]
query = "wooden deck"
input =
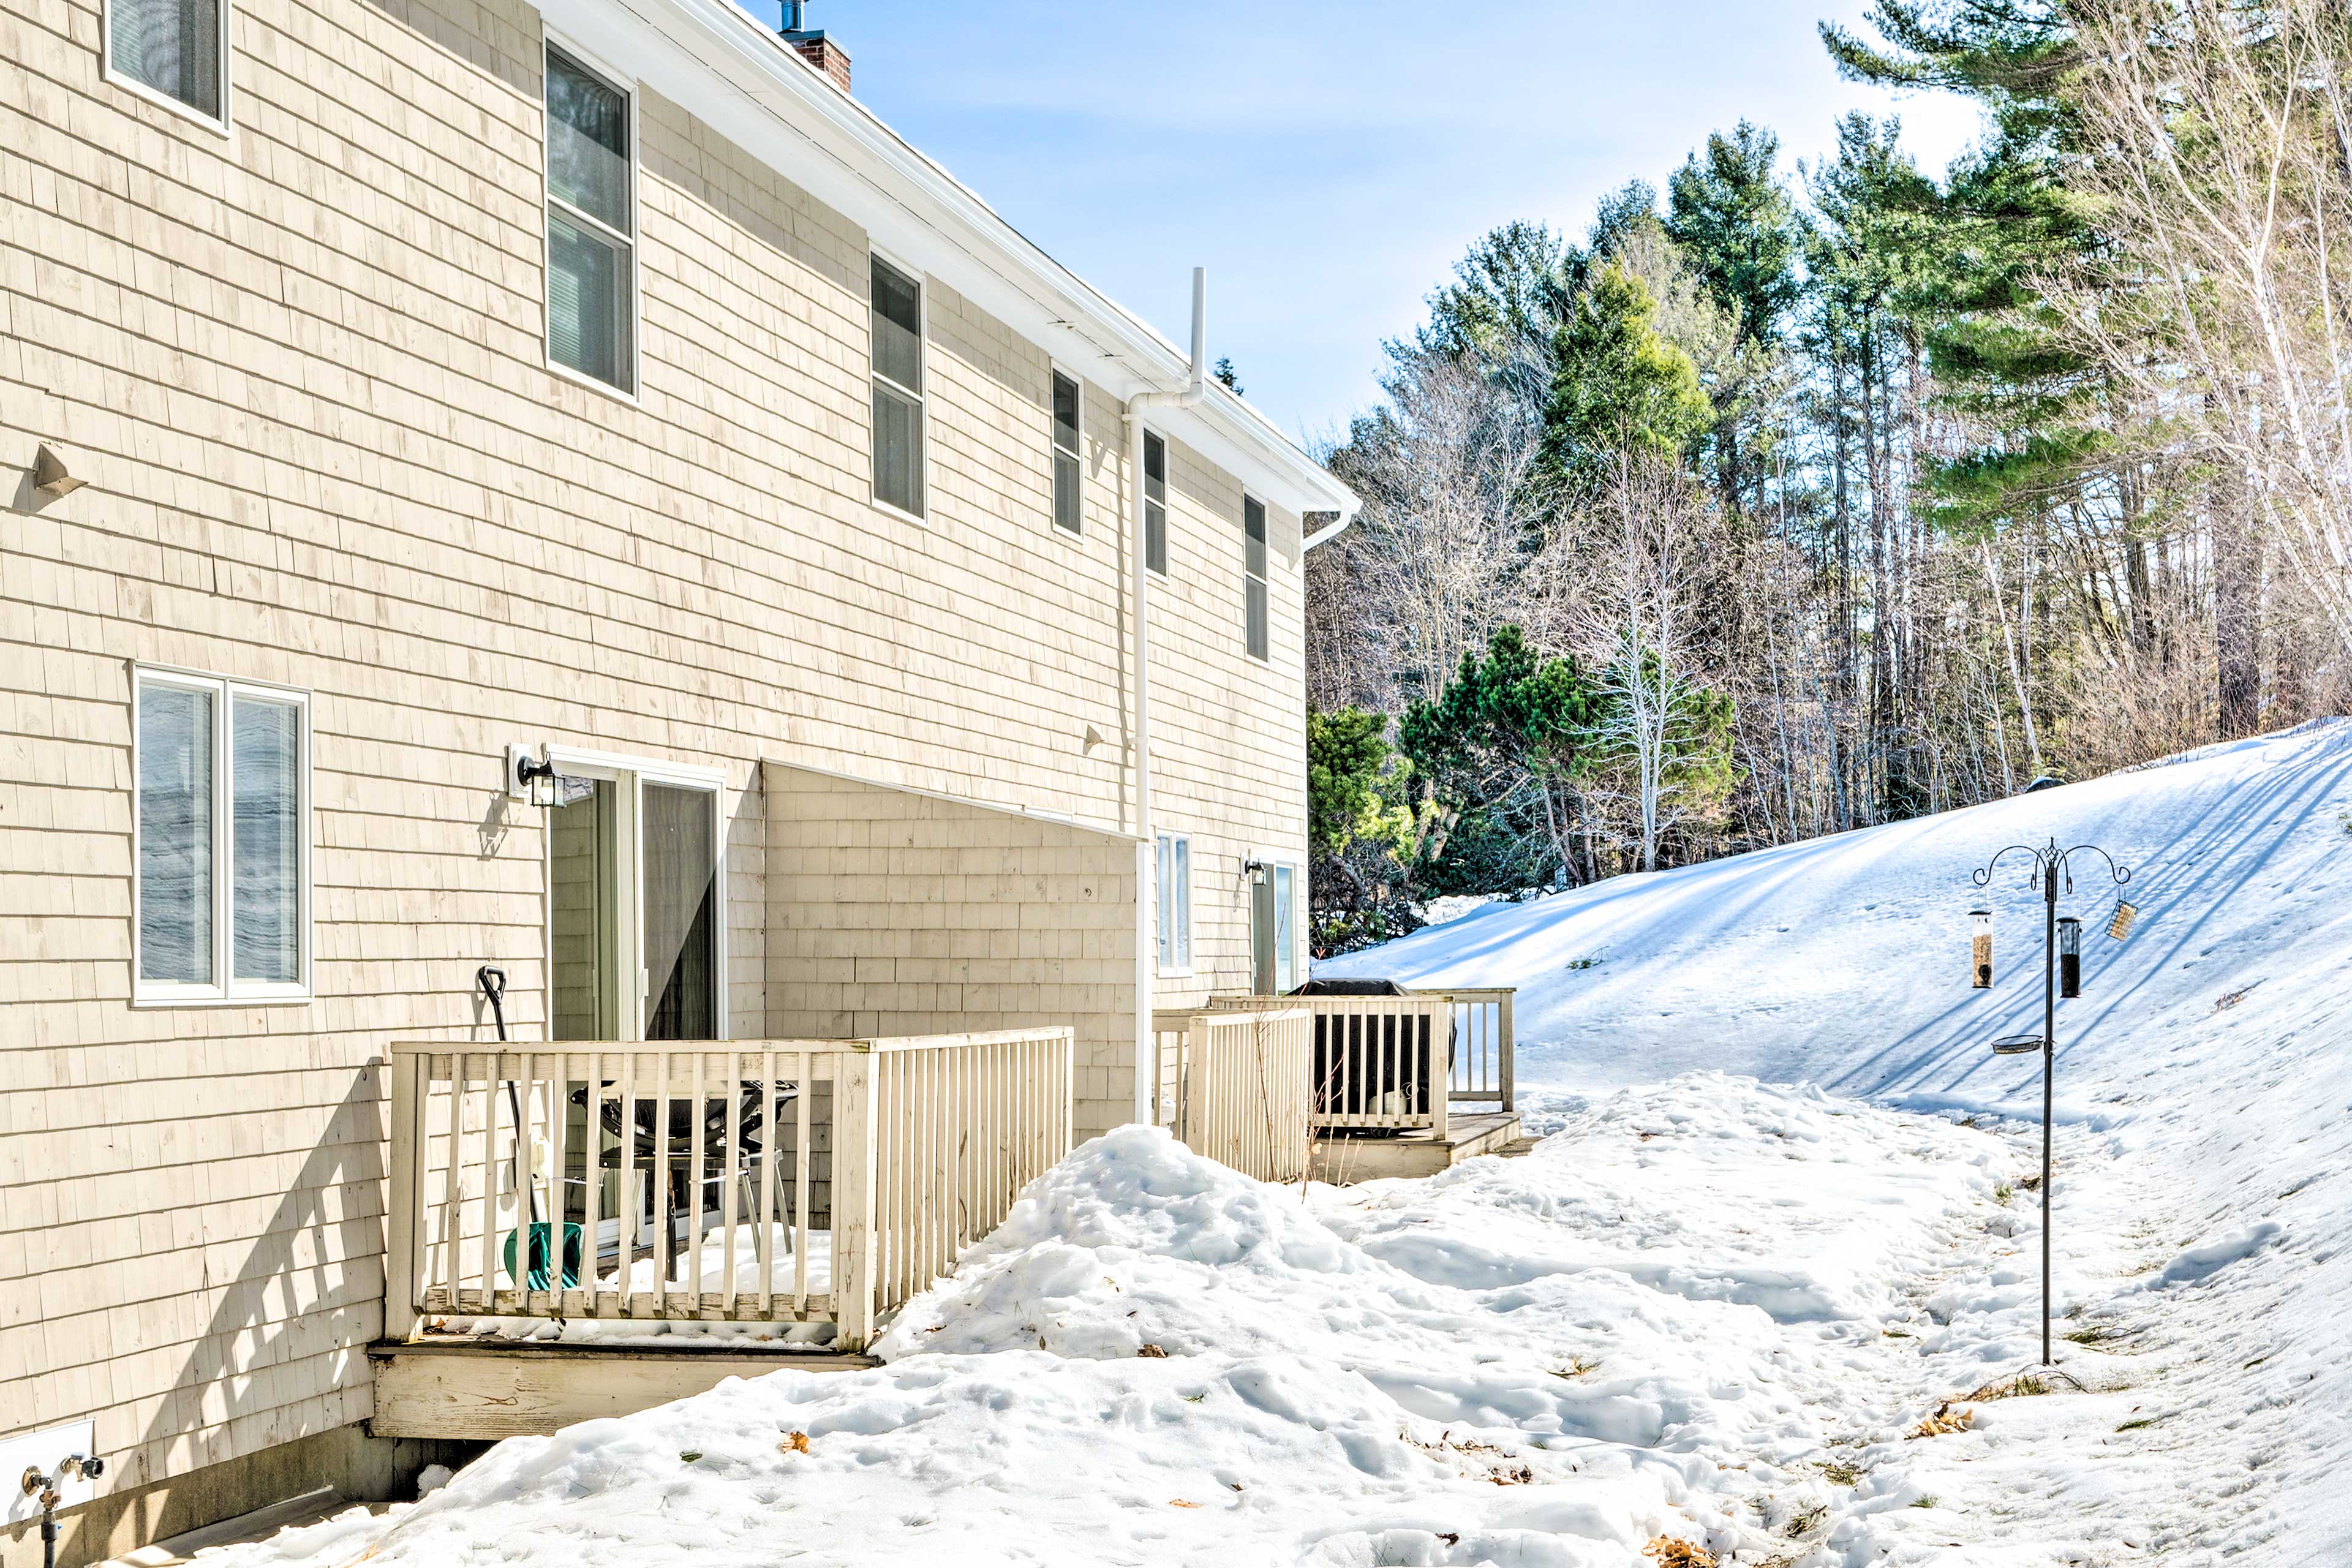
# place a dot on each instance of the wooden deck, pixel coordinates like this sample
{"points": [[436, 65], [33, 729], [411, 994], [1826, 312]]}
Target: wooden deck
{"points": [[492, 1389], [1343, 1159]]}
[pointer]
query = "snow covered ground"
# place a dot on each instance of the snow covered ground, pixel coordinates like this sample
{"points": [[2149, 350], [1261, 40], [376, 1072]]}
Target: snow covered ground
{"points": [[1781, 1220]]}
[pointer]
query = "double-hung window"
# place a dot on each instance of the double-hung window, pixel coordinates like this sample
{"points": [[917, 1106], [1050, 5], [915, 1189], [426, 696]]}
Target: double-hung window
{"points": [[897, 389], [174, 50], [224, 833], [1254, 591], [1067, 470], [591, 224], [1155, 503], [1173, 880]]}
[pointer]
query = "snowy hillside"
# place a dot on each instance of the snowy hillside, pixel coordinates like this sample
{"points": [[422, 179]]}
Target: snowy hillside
{"points": [[1707, 1310], [2204, 1080]]}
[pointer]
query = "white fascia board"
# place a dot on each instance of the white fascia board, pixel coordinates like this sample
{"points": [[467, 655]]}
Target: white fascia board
{"points": [[748, 84]]}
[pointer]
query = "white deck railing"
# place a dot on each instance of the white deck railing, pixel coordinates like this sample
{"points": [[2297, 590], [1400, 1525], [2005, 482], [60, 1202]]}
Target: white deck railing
{"points": [[772, 1180], [1376, 1059], [1237, 1087]]}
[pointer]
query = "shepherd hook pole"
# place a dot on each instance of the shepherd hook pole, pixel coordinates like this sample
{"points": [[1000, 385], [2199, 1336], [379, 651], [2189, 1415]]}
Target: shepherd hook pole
{"points": [[2050, 866]]}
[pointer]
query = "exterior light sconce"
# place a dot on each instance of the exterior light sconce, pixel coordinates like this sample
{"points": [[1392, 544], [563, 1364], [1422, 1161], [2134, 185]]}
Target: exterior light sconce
{"points": [[49, 476], [534, 781], [2070, 956], [538, 781], [1980, 949], [1257, 872]]}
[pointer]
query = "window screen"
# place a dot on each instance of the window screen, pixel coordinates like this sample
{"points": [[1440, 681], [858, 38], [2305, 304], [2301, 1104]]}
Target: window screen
{"points": [[1155, 503], [591, 259], [1254, 589], [1067, 495], [897, 388], [173, 47]]}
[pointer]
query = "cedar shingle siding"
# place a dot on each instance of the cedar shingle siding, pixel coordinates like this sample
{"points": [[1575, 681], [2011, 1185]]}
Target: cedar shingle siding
{"points": [[302, 368]]}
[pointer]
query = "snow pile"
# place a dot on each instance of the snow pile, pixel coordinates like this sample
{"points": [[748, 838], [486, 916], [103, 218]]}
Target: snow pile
{"points": [[1554, 1361], [2205, 1159], [1780, 1323]]}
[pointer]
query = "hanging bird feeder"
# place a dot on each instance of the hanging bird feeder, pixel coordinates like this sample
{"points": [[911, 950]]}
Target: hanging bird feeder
{"points": [[2070, 956], [1981, 957], [2120, 927]]}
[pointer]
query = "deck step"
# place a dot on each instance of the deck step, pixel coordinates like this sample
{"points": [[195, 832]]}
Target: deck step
{"points": [[486, 1389], [1345, 1161]]}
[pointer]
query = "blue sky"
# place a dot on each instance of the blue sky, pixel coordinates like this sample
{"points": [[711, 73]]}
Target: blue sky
{"points": [[1329, 163]]}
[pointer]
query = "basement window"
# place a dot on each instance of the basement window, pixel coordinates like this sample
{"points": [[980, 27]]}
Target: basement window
{"points": [[222, 823], [1068, 473]]}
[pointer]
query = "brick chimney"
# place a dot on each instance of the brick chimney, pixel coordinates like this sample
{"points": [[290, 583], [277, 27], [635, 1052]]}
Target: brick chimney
{"points": [[814, 48]]}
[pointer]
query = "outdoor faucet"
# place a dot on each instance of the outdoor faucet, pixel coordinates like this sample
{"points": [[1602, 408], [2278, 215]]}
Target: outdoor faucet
{"points": [[82, 1466]]}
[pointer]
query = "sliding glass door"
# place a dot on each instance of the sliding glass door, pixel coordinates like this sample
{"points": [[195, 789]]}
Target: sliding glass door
{"points": [[680, 847], [633, 908]]}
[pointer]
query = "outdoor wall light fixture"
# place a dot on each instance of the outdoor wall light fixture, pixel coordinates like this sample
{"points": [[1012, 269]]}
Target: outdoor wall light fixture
{"points": [[2061, 952], [49, 476], [1980, 948], [538, 781], [535, 781], [1257, 871]]}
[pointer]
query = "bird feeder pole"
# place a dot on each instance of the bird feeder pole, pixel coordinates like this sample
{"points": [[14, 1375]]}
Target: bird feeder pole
{"points": [[2049, 868]]}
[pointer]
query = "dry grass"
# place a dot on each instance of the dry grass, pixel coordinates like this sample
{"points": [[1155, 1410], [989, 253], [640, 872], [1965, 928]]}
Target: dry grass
{"points": [[1944, 1420], [1841, 1473], [794, 1443], [1669, 1552], [1806, 1521], [2024, 1385]]}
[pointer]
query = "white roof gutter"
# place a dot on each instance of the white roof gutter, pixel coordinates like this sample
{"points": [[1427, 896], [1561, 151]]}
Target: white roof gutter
{"points": [[752, 87]]}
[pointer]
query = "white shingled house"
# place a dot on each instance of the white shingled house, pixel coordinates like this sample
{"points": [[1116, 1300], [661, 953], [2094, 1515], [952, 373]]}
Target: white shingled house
{"points": [[559, 507]]}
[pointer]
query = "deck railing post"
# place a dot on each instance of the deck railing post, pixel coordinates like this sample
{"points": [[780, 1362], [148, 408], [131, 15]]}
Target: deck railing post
{"points": [[1503, 1047], [1439, 1020], [1193, 1105], [856, 1155], [404, 1215]]}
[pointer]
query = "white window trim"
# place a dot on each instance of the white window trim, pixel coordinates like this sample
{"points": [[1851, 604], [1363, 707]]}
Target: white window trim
{"points": [[625, 85], [637, 771], [1167, 511], [1267, 579], [224, 127], [1280, 859], [226, 990], [1180, 953], [1054, 446], [922, 282]]}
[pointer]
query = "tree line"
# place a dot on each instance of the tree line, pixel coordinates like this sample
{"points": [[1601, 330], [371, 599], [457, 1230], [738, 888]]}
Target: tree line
{"points": [[1790, 500]]}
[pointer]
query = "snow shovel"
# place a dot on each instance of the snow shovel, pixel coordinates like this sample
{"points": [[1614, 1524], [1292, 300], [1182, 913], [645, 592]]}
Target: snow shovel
{"points": [[493, 982]]}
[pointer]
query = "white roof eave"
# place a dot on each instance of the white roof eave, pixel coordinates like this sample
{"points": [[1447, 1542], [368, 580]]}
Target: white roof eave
{"points": [[747, 83]]}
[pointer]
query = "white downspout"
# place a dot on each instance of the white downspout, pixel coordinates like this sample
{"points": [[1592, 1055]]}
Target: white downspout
{"points": [[1147, 935]]}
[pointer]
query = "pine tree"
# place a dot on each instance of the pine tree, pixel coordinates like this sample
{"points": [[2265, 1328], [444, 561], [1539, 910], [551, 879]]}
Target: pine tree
{"points": [[1617, 385]]}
